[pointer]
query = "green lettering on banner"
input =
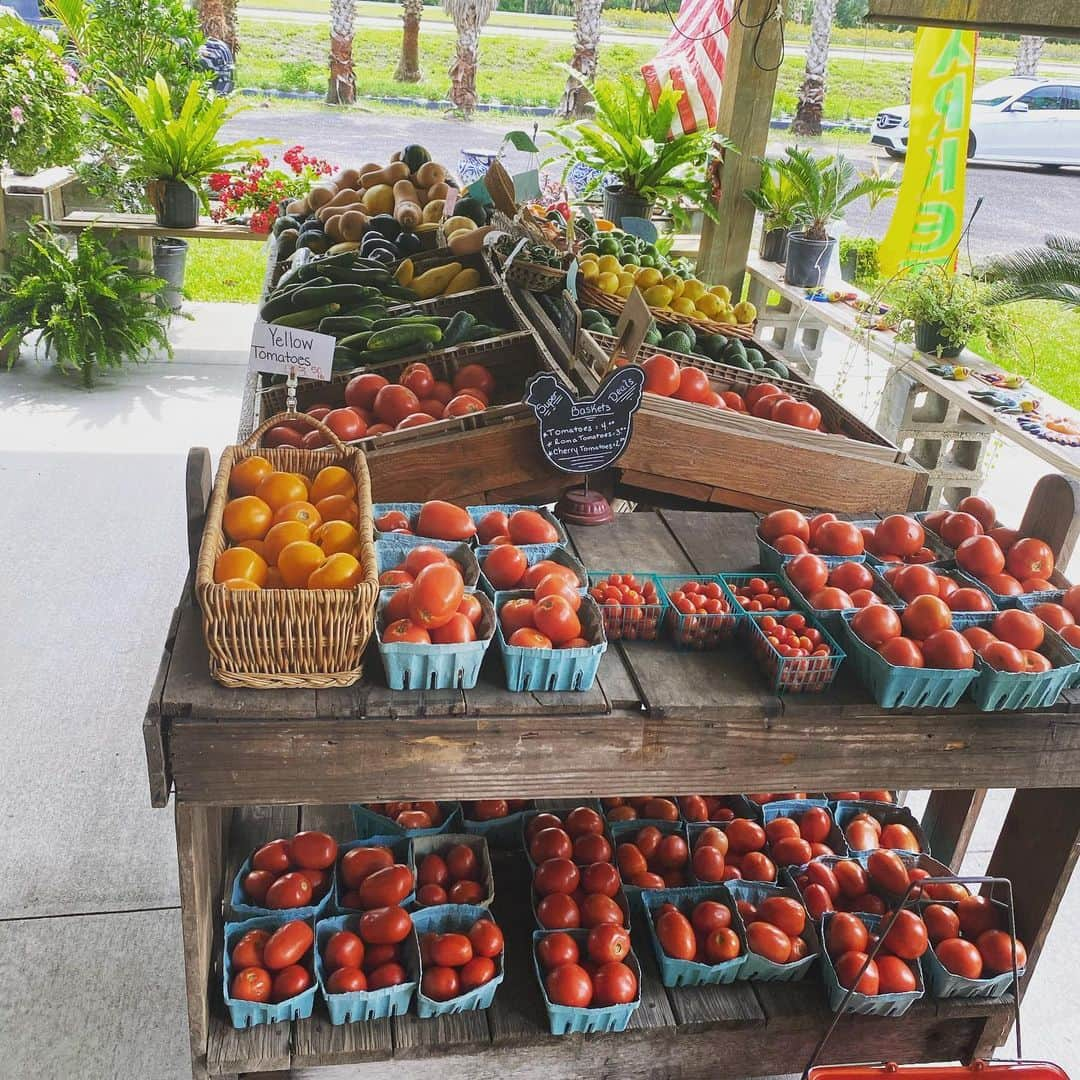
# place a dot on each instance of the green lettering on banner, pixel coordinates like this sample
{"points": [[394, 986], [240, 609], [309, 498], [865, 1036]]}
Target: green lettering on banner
{"points": [[949, 101], [945, 171], [952, 55], [933, 227]]}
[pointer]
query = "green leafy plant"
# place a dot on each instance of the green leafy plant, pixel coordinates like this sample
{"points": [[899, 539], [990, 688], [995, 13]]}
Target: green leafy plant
{"points": [[776, 197], [630, 138], [957, 306], [827, 186], [40, 118], [863, 252], [1050, 271], [92, 309], [160, 143]]}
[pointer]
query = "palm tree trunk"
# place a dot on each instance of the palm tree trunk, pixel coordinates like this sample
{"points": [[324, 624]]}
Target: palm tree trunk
{"points": [[812, 92], [408, 69], [586, 47], [212, 19], [1028, 55], [232, 27], [342, 88], [469, 17]]}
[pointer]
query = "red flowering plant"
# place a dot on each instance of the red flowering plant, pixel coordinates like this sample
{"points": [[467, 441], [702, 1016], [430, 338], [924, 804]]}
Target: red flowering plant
{"points": [[255, 193]]}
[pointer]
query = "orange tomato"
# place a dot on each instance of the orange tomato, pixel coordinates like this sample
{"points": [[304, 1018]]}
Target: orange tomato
{"points": [[283, 534], [258, 546], [340, 571], [300, 510], [298, 561], [333, 537], [239, 584], [246, 518], [280, 488], [338, 508], [528, 638], [444, 521], [332, 480], [246, 475], [239, 562]]}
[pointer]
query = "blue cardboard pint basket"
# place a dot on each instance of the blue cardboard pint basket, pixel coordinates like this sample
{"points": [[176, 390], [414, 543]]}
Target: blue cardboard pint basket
{"points": [[370, 823], [244, 1014], [631, 622], [688, 972], [400, 847], [535, 553], [502, 833], [435, 667], [832, 617], [447, 919], [1002, 601], [795, 808], [757, 967], [391, 550], [942, 983], [240, 906], [357, 1005], [773, 561], [733, 581], [477, 513], [793, 674], [867, 1004], [439, 843], [1027, 603], [887, 813], [625, 831], [567, 1020], [700, 631], [904, 687], [553, 669]]}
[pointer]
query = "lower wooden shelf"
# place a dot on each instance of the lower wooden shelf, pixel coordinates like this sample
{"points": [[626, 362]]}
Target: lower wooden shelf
{"points": [[738, 1031]]}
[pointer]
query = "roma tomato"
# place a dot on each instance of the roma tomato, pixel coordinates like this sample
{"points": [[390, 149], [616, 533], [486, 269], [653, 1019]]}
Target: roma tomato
{"points": [[553, 843], [745, 836], [287, 945], [555, 950], [980, 556], [708, 863], [907, 937], [614, 984], [558, 911], [451, 950], [710, 915], [556, 876], [676, 935], [478, 971], [569, 984], [486, 938], [346, 980], [602, 878], [444, 521], [386, 887], [531, 527], [273, 856], [436, 594], [958, 527], [721, 945], [785, 912], [465, 892], [995, 949], [941, 922], [384, 926], [582, 820], [597, 909], [769, 941], [980, 509], [313, 850], [960, 957], [462, 863], [440, 983], [256, 883], [848, 967], [845, 933], [608, 943], [887, 870], [851, 878], [977, 914], [289, 982], [817, 900], [291, 890], [389, 974], [251, 984], [248, 951]]}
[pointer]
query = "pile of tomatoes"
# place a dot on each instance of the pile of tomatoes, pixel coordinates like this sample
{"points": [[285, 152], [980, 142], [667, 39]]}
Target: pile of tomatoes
{"points": [[288, 531], [630, 608], [291, 873], [796, 838], [791, 533], [507, 567], [848, 585], [759, 594], [709, 859], [597, 980], [439, 520], [649, 807], [775, 928], [370, 878], [419, 814], [1063, 617], [272, 966], [702, 808], [417, 558], [575, 882], [864, 832], [1012, 643], [911, 581], [706, 936], [654, 859], [793, 636], [701, 616], [452, 963], [367, 954], [433, 608], [551, 622], [455, 875], [374, 405], [970, 939], [848, 942], [794, 653]]}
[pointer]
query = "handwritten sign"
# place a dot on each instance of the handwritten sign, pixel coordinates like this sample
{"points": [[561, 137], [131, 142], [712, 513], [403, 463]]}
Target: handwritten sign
{"points": [[283, 350], [583, 435]]}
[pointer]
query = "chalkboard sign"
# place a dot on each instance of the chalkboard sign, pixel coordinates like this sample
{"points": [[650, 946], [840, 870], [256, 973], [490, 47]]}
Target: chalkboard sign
{"points": [[583, 435]]}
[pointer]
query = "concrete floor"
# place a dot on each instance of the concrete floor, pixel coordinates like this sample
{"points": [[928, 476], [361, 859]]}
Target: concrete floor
{"points": [[90, 951]]}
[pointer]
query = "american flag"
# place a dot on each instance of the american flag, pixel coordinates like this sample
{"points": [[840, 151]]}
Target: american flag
{"points": [[693, 61]]}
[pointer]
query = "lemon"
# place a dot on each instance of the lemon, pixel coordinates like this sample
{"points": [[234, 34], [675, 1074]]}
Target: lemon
{"points": [[708, 305], [589, 271], [658, 296], [648, 276], [626, 279], [693, 289], [723, 292], [683, 306], [675, 284], [624, 290], [609, 264], [608, 283], [745, 312], [590, 258], [729, 318]]}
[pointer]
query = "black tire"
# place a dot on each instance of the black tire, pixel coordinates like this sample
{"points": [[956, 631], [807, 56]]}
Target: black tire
{"points": [[899, 155], [971, 145], [1050, 168]]}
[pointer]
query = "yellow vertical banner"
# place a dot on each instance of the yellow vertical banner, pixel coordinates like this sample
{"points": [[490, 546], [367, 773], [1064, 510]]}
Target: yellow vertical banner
{"points": [[929, 214]]}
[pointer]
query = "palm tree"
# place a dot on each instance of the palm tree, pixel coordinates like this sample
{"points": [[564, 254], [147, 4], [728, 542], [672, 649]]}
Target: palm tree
{"points": [[469, 17], [218, 20], [1028, 55], [586, 46], [812, 91], [408, 69], [342, 88], [1047, 272]]}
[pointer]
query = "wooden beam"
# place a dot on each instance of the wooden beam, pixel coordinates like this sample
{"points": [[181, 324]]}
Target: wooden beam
{"points": [[1041, 18], [743, 116], [949, 821]]}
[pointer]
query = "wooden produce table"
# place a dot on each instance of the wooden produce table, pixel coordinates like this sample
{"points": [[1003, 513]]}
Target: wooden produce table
{"points": [[246, 766]]}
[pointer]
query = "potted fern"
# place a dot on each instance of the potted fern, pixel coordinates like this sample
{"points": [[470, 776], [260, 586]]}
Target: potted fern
{"points": [[778, 200], [173, 151], [92, 309], [825, 187], [628, 137]]}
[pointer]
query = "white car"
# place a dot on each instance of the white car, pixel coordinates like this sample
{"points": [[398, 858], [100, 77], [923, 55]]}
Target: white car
{"points": [[1020, 118]]}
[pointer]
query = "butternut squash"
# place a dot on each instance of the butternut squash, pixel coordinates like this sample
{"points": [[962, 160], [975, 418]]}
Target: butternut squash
{"points": [[458, 222], [468, 241], [433, 209], [353, 225], [332, 227], [438, 191], [394, 172], [298, 207], [429, 174], [348, 178], [407, 212], [320, 195], [344, 197], [369, 166]]}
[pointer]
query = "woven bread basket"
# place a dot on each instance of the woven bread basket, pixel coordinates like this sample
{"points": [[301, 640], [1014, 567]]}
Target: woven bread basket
{"points": [[287, 638]]}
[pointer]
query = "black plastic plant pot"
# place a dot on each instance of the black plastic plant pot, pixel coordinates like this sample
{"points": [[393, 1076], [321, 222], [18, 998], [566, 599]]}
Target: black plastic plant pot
{"points": [[930, 339], [618, 205], [774, 245], [808, 260], [176, 206]]}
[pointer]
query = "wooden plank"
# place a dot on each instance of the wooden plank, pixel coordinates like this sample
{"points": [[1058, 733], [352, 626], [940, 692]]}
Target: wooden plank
{"points": [[446, 1034], [716, 542], [949, 821], [654, 483], [146, 225], [1043, 18], [230, 1050], [1052, 515], [198, 484], [154, 733], [733, 1006]]}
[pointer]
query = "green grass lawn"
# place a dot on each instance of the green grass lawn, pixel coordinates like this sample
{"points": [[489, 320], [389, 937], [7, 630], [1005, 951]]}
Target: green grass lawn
{"points": [[224, 270]]}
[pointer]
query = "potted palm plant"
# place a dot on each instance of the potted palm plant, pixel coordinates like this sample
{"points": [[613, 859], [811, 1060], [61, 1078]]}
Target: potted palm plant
{"points": [[825, 187], [173, 151], [627, 137], [777, 199]]}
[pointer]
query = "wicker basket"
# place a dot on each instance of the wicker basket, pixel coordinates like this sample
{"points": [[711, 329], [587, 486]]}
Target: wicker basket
{"points": [[534, 277], [286, 638]]}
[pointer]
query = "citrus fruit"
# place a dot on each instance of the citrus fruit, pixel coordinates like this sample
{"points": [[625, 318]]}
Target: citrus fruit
{"points": [[340, 571], [246, 475], [333, 480], [298, 511], [337, 536], [240, 562], [283, 534], [298, 561], [280, 488], [338, 508], [246, 518]]}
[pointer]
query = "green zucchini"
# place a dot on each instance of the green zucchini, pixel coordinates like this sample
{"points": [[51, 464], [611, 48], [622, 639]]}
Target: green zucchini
{"points": [[398, 292], [409, 334], [459, 328], [344, 325], [356, 342], [307, 319], [441, 321], [481, 331], [280, 301], [379, 356], [345, 295]]}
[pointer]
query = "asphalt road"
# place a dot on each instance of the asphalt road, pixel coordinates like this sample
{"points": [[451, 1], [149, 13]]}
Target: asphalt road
{"points": [[1020, 203]]}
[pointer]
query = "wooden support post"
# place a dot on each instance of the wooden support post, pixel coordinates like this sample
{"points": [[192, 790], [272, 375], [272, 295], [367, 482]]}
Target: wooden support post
{"points": [[753, 59], [949, 821]]}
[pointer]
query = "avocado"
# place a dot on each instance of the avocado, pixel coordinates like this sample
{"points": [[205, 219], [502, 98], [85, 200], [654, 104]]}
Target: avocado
{"points": [[471, 208], [589, 314], [414, 156], [653, 335], [734, 348], [688, 330], [676, 341], [739, 362], [779, 368], [713, 345], [755, 358]]}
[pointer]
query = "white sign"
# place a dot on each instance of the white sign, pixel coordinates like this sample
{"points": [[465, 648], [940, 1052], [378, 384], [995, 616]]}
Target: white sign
{"points": [[282, 350]]}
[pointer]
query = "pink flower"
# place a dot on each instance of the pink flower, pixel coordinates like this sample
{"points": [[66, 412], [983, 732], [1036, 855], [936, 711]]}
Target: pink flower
{"points": [[18, 117]]}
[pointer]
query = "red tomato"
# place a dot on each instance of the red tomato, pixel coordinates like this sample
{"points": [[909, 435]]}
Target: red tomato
{"points": [[745, 835], [763, 407], [475, 375], [980, 556], [555, 950], [386, 887], [390, 974], [289, 982], [708, 863], [1002, 584], [614, 984], [970, 599], [958, 527], [851, 576], [820, 874], [769, 941], [377, 955], [291, 890], [782, 522], [444, 521], [313, 850], [569, 984], [977, 914], [798, 414], [597, 909], [941, 922], [907, 937], [384, 926], [486, 938], [980, 509], [915, 580], [283, 436], [557, 585], [436, 594], [516, 614], [876, 624], [815, 825], [287, 944], [960, 957], [1002, 656], [256, 883], [840, 538], [1024, 629], [465, 892], [406, 631], [1030, 558], [848, 967], [478, 971], [591, 848], [924, 616], [458, 630], [602, 878], [808, 573], [693, 385], [817, 901], [555, 619], [346, 980], [471, 609], [505, 566], [995, 949], [661, 375], [551, 843], [851, 878], [899, 533], [531, 527], [462, 863], [608, 943], [721, 945], [710, 915], [251, 984], [948, 649], [899, 837], [556, 876], [431, 896], [248, 951], [419, 379], [272, 856], [1035, 662], [362, 390], [450, 950], [440, 983]]}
